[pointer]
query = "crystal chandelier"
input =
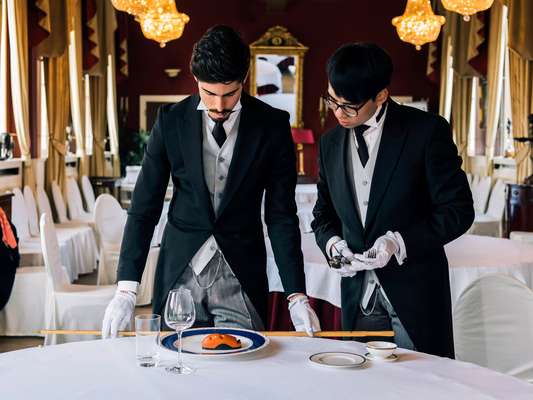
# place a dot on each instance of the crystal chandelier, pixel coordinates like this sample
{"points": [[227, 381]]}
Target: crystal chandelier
{"points": [[162, 22], [418, 24], [466, 7], [134, 7]]}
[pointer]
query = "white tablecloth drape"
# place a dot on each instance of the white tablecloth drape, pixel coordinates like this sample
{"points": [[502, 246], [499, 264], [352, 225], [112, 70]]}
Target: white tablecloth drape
{"points": [[469, 257], [107, 369]]}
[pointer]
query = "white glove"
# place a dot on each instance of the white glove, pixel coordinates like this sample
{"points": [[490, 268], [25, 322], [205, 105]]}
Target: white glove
{"points": [[341, 248], [118, 313], [302, 315], [380, 253]]}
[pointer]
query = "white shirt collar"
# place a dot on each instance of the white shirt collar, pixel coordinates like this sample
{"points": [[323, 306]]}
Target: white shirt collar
{"points": [[229, 123], [372, 122]]}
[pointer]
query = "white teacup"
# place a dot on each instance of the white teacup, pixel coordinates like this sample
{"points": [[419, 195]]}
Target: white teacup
{"points": [[381, 349]]}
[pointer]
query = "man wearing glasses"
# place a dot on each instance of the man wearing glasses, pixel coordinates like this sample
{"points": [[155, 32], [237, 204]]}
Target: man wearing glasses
{"points": [[391, 194], [223, 150]]}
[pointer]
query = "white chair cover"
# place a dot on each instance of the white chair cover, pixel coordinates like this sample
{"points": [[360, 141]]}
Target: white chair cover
{"points": [[75, 202], [493, 325], [19, 215], [69, 306], [110, 220], [59, 203], [78, 244], [31, 208], [469, 178], [88, 193], [43, 204], [481, 193], [23, 314], [490, 223]]}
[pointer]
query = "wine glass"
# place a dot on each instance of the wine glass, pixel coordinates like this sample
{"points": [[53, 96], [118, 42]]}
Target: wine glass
{"points": [[179, 315]]}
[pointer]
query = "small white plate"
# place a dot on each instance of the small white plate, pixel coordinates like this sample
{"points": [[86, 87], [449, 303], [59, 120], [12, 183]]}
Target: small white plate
{"points": [[391, 358], [338, 359]]}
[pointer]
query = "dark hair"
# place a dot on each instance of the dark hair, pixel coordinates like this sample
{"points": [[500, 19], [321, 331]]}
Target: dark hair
{"points": [[220, 56], [359, 71]]}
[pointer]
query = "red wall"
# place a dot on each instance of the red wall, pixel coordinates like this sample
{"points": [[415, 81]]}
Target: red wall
{"points": [[322, 25]]}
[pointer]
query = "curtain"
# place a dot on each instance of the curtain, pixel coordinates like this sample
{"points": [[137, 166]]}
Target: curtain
{"points": [[17, 16], [446, 78], [521, 71], [112, 118], [3, 65], [58, 114], [98, 110], [54, 45], [496, 62], [43, 117], [521, 27], [461, 111], [77, 96]]}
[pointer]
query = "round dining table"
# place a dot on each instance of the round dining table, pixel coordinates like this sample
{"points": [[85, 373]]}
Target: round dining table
{"points": [[107, 369]]}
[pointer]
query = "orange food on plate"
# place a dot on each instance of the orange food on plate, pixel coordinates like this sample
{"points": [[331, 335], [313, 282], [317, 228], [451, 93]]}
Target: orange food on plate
{"points": [[220, 341]]}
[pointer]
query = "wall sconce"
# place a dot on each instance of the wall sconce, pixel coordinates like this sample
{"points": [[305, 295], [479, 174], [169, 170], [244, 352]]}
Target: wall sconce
{"points": [[301, 137], [172, 72]]}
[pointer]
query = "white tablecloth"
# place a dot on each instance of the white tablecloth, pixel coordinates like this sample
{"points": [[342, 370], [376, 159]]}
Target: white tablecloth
{"points": [[469, 258], [107, 370]]}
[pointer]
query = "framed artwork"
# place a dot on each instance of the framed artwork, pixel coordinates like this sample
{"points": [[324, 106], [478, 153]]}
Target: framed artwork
{"points": [[149, 104]]}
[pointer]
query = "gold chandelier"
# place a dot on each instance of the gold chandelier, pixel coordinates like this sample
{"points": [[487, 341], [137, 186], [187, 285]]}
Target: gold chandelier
{"points": [[163, 22], [467, 7], [134, 7], [418, 24]]}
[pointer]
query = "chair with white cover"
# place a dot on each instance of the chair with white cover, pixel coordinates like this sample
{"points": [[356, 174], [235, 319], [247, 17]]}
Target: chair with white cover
{"points": [[480, 194], [75, 202], [469, 178], [80, 237], [88, 193], [521, 236], [29, 247], [493, 325], [23, 314], [110, 220], [490, 222], [69, 306], [59, 203]]}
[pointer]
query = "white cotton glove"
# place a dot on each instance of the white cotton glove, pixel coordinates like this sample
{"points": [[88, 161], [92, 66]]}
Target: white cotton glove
{"points": [[118, 313], [341, 248], [379, 254], [302, 315]]}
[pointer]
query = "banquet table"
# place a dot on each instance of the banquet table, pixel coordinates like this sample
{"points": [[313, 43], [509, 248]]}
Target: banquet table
{"points": [[107, 369], [470, 257]]}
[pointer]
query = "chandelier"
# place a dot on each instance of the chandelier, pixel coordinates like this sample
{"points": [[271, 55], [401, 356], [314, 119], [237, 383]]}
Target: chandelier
{"points": [[134, 7], [467, 7], [418, 25], [163, 22]]}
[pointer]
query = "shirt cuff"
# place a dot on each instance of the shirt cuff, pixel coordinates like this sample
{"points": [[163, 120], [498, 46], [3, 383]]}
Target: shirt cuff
{"points": [[332, 240], [128, 286], [401, 254]]}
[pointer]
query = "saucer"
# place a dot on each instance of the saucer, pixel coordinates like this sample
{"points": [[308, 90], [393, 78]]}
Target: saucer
{"points": [[391, 358], [338, 359]]}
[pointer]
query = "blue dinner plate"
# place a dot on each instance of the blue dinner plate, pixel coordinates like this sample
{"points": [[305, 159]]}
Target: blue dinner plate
{"points": [[251, 341]]}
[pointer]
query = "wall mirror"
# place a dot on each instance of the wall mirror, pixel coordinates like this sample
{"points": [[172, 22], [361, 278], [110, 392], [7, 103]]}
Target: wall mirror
{"points": [[276, 71]]}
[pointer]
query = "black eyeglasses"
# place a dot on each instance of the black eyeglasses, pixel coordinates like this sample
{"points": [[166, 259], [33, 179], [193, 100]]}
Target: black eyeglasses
{"points": [[350, 110]]}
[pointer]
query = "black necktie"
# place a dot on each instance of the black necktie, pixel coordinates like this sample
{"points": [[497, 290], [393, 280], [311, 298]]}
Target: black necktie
{"points": [[362, 148], [219, 133]]}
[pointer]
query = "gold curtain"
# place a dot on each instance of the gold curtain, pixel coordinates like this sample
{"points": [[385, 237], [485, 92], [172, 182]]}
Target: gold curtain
{"points": [[98, 111], [446, 78], [58, 114], [17, 17], [112, 117], [496, 61], [54, 45], [3, 65], [77, 106], [521, 27], [462, 94], [521, 71]]}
